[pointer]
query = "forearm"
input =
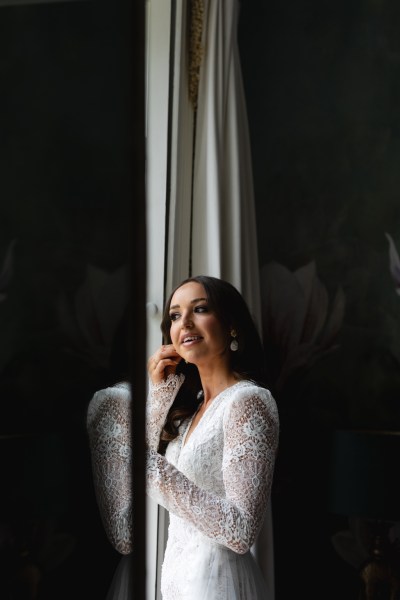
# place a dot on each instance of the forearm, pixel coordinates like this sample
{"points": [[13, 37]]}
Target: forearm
{"points": [[217, 518], [160, 399], [109, 431]]}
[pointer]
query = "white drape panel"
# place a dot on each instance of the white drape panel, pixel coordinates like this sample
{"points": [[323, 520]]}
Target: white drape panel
{"points": [[224, 240]]}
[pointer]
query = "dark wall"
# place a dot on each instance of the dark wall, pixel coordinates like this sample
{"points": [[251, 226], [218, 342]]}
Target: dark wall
{"points": [[65, 217], [322, 81]]}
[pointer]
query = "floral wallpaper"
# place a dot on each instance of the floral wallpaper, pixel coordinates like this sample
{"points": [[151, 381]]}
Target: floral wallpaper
{"points": [[64, 286], [322, 89]]}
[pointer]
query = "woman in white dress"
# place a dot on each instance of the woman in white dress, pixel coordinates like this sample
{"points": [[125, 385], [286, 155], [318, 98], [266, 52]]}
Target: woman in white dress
{"points": [[212, 438]]}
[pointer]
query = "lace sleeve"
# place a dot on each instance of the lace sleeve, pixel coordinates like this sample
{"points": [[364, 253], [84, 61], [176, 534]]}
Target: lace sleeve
{"points": [[250, 445], [160, 399], [109, 430]]}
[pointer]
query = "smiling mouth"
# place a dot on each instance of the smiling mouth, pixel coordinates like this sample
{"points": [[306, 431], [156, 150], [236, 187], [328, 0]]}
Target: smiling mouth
{"points": [[191, 338]]}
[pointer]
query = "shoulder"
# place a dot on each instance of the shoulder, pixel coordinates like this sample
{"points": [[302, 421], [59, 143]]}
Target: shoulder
{"points": [[249, 390], [249, 397], [113, 399]]}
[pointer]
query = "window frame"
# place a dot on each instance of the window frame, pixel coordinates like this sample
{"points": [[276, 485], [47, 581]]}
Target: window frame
{"points": [[169, 145]]}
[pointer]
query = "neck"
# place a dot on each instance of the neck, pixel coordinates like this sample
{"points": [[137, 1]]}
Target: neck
{"points": [[213, 383]]}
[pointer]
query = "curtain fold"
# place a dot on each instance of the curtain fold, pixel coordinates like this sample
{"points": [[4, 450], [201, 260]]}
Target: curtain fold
{"points": [[224, 238]]}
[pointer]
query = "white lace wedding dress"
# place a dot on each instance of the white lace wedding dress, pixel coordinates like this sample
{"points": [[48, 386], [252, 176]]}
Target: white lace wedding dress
{"points": [[216, 487]]}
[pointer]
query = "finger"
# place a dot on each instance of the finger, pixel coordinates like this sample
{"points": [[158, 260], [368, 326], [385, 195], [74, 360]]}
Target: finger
{"points": [[165, 362], [157, 366], [163, 353], [167, 350]]}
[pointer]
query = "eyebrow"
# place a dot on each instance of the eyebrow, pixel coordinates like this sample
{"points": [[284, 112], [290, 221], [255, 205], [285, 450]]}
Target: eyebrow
{"points": [[191, 302]]}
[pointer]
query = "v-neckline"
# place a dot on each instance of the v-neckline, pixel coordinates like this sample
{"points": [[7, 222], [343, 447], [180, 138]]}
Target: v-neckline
{"points": [[185, 439]]}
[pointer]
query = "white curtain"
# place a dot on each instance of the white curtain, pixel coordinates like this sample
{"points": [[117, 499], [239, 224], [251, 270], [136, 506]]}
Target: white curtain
{"points": [[224, 233], [224, 240]]}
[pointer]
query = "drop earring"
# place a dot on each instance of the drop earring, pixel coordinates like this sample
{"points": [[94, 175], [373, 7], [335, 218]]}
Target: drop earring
{"points": [[234, 343]]}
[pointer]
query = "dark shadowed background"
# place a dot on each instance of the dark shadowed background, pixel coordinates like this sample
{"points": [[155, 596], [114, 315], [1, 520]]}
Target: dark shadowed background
{"points": [[65, 225], [322, 82]]}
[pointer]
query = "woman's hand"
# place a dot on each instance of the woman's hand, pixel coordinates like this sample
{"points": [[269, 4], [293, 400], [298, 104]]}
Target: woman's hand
{"points": [[162, 363]]}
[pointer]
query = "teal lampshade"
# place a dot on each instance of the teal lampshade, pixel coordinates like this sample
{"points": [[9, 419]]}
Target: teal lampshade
{"points": [[364, 474]]}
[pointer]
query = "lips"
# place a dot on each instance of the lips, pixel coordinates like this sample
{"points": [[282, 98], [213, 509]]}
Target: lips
{"points": [[187, 339]]}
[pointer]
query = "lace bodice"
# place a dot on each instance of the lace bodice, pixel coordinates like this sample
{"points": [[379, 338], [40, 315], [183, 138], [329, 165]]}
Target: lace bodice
{"points": [[220, 480], [216, 485]]}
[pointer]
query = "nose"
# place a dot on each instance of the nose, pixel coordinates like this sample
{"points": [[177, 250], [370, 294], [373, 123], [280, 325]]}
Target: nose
{"points": [[186, 322]]}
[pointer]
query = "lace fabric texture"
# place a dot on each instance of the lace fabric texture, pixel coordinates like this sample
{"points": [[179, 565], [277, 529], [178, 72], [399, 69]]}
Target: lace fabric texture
{"points": [[216, 485], [109, 429], [108, 426], [161, 397]]}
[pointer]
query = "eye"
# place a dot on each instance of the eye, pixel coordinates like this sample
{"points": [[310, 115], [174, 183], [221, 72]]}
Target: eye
{"points": [[174, 316], [201, 308]]}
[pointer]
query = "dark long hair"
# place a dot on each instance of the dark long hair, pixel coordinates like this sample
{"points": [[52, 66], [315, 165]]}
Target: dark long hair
{"points": [[248, 361]]}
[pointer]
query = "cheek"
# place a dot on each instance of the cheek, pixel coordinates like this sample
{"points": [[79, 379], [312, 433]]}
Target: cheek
{"points": [[173, 332], [218, 333]]}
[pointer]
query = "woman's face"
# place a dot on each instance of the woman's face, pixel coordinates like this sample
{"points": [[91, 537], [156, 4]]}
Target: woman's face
{"points": [[196, 331]]}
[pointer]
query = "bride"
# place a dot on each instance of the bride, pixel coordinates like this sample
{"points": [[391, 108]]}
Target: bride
{"points": [[212, 438]]}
